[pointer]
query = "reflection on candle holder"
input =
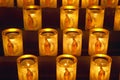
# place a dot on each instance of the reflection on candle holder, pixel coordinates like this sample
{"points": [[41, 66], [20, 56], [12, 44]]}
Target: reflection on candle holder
{"points": [[117, 19], [72, 41], [87, 3], [32, 17], [12, 42], [70, 2], [27, 67], [69, 17], [100, 67], [48, 42], [109, 3], [6, 3], [94, 17], [98, 41], [48, 3], [66, 66], [22, 3]]}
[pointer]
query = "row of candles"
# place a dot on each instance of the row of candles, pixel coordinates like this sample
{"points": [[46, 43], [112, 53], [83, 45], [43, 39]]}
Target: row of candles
{"points": [[69, 16], [48, 41], [66, 67], [53, 3]]}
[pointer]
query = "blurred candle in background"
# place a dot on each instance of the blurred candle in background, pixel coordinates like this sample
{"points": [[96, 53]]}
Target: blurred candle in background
{"points": [[22, 3], [32, 17], [70, 2], [69, 17], [6, 3], [48, 42], [100, 67], [27, 66], [98, 41], [117, 19], [94, 17], [48, 3], [12, 42], [72, 41], [66, 66]]}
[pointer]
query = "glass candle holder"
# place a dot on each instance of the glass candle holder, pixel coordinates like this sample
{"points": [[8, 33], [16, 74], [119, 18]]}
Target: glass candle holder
{"points": [[98, 41], [12, 42], [117, 19], [22, 3], [69, 17], [48, 42], [72, 41], [70, 2], [27, 67], [109, 3], [66, 66], [94, 17], [48, 3], [87, 3], [32, 17], [100, 67], [6, 3]]}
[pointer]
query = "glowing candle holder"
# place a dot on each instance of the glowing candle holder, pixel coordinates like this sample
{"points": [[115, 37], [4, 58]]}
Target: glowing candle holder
{"points": [[6, 3], [22, 3], [27, 67], [109, 3], [48, 42], [100, 67], [87, 3], [32, 17], [94, 17], [98, 41], [70, 2], [72, 41], [12, 42], [48, 3], [66, 66], [117, 19], [69, 17]]}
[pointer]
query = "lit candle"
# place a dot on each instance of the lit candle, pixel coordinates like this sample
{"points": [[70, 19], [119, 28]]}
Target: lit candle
{"points": [[27, 67], [6, 3], [22, 3], [48, 42], [72, 41], [48, 3], [98, 41], [117, 19], [66, 66], [100, 67], [12, 42], [94, 17], [32, 17], [69, 17], [70, 2], [109, 3]]}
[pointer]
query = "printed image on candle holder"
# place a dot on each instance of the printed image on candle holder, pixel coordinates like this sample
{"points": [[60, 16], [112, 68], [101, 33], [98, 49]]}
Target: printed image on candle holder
{"points": [[69, 17], [48, 3], [70, 2], [100, 67], [98, 41], [27, 66], [87, 3], [48, 42], [12, 42], [66, 66], [117, 19], [6, 3], [32, 17], [22, 3], [109, 3], [94, 17], [72, 41]]}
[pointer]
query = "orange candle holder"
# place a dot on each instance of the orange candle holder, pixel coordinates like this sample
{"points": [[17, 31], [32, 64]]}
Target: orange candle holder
{"points": [[70, 2], [6, 3], [22, 3]]}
